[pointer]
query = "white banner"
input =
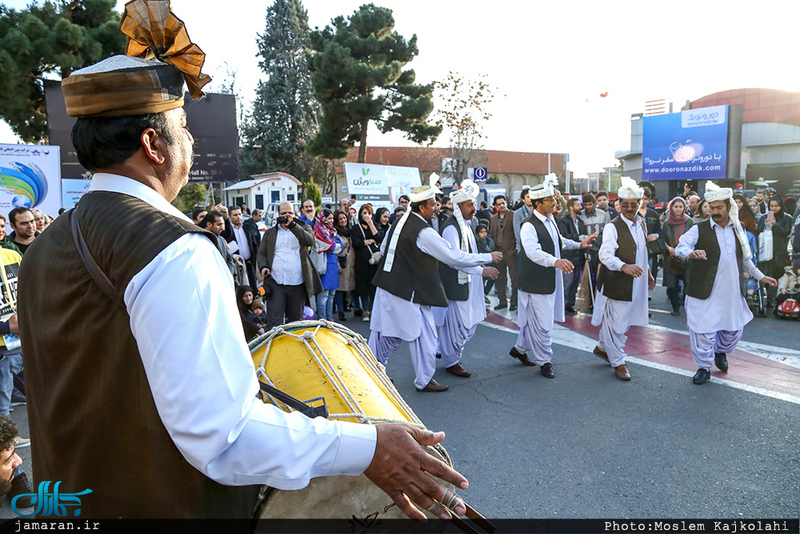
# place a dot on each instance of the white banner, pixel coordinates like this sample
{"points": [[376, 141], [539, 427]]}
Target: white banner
{"points": [[380, 185], [30, 176]]}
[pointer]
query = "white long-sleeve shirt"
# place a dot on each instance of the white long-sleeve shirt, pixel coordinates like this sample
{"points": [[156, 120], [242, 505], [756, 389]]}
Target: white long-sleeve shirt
{"points": [[473, 310], [633, 313], [388, 309], [725, 308], [187, 328]]}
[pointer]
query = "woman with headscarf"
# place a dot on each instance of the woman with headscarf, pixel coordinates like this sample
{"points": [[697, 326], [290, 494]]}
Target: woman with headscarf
{"points": [[381, 221], [328, 243], [750, 225], [780, 223], [366, 239], [677, 224], [347, 258]]}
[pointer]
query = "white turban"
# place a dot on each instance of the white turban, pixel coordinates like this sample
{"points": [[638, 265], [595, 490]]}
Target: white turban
{"points": [[715, 193], [544, 189], [421, 194], [630, 190]]}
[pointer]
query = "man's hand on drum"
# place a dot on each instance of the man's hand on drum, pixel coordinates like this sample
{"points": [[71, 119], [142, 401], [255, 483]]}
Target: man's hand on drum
{"points": [[401, 468]]}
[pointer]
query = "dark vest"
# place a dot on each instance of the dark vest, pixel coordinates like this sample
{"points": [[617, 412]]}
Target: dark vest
{"points": [[532, 277], [413, 273], [452, 288], [616, 284], [703, 272], [93, 421]]}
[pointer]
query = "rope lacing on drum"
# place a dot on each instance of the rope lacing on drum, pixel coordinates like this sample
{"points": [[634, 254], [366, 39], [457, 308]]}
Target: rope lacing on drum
{"points": [[354, 340]]}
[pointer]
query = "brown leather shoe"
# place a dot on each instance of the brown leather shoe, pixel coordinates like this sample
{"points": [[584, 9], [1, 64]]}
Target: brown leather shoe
{"points": [[600, 353], [434, 386], [458, 370], [622, 372]]}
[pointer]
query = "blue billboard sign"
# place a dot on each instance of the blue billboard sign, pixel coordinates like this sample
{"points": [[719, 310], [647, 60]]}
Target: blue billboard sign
{"points": [[690, 145]]}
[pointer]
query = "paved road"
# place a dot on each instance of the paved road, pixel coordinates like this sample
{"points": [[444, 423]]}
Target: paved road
{"points": [[586, 445]]}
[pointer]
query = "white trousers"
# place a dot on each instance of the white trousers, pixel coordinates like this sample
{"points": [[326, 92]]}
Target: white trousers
{"points": [[705, 344], [453, 335], [423, 355], [535, 322], [612, 331]]}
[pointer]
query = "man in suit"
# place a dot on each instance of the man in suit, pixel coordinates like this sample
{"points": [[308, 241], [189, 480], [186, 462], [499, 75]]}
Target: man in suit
{"points": [[289, 276], [572, 227], [247, 237], [501, 231]]}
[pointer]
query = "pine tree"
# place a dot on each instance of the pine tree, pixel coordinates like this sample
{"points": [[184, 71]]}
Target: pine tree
{"points": [[56, 37], [358, 77], [284, 113]]}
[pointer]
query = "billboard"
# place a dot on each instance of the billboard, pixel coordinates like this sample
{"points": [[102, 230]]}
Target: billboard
{"points": [[30, 176], [380, 185], [690, 145], [211, 120]]}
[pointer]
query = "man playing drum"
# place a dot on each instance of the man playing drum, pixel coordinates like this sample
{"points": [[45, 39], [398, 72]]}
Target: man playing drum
{"points": [[144, 391]]}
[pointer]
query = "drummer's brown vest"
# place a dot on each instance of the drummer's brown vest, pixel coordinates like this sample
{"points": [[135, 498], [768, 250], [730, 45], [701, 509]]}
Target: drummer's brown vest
{"points": [[616, 284], [93, 421], [452, 288], [414, 273], [702, 273], [532, 277]]}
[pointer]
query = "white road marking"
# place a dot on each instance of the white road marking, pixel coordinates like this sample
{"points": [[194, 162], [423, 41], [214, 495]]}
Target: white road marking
{"points": [[569, 338]]}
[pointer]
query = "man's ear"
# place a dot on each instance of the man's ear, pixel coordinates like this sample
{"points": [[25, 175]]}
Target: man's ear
{"points": [[155, 147]]}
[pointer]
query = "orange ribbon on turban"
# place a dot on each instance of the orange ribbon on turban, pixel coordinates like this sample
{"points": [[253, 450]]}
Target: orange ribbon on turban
{"points": [[155, 32]]}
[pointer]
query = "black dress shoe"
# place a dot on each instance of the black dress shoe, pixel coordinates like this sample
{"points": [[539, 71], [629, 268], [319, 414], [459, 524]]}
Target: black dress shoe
{"points": [[521, 356], [438, 355], [569, 310], [513, 307], [721, 361], [501, 307], [674, 311], [547, 370], [701, 376]]}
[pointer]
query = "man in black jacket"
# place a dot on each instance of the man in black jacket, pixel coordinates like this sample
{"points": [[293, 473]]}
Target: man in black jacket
{"points": [[572, 227], [247, 238]]}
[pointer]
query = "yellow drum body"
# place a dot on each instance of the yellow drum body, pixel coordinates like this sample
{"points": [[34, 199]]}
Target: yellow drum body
{"points": [[311, 359]]}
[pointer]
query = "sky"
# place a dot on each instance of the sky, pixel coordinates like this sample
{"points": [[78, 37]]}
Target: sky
{"points": [[549, 62]]}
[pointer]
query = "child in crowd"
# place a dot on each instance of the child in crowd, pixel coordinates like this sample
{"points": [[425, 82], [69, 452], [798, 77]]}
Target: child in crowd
{"points": [[244, 300], [485, 246], [788, 283], [257, 313]]}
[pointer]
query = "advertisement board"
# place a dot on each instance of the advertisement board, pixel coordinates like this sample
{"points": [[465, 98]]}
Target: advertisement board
{"points": [[30, 176], [690, 145], [380, 185], [211, 121]]}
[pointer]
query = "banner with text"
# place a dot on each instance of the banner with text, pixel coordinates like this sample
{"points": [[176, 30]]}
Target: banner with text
{"points": [[380, 185], [690, 145], [30, 176]]}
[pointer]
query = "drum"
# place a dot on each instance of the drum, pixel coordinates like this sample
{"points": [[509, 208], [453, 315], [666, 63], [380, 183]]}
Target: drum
{"points": [[314, 360]]}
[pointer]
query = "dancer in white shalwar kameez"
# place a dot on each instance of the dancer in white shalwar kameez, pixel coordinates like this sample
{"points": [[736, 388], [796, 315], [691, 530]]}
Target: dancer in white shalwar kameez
{"points": [[539, 279], [464, 288], [408, 284], [716, 308], [622, 286]]}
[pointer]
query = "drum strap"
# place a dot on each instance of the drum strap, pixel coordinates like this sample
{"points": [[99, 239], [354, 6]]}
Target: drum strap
{"points": [[300, 406], [95, 271]]}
